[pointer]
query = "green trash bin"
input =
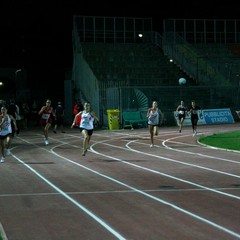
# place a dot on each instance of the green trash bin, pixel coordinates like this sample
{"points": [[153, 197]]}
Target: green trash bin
{"points": [[113, 118]]}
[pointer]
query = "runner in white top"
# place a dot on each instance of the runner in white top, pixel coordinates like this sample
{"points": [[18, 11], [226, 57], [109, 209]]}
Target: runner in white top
{"points": [[86, 125], [155, 118], [86, 121], [6, 131]]}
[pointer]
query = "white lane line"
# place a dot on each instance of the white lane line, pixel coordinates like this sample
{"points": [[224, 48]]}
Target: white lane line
{"points": [[222, 228], [107, 192], [148, 195], [195, 153], [164, 158], [184, 163], [217, 148], [167, 175], [168, 159], [182, 180], [88, 212], [3, 235], [155, 156]]}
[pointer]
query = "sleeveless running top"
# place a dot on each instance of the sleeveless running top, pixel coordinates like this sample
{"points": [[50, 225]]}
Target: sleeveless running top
{"points": [[86, 121], [153, 118], [6, 128]]}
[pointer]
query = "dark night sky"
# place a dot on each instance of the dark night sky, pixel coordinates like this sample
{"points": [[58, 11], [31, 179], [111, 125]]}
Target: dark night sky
{"points": [[36, 35]]}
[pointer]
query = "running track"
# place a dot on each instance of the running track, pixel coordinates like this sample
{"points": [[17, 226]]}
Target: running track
{"points": [[122, 188]]}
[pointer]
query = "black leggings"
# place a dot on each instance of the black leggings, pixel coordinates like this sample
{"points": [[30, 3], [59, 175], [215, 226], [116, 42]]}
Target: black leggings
{"points": [[194, 121]]}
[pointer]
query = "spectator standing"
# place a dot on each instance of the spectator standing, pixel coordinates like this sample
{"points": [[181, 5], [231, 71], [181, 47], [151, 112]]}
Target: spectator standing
{"points": [[59, 117], [34, 112], [78, 107], [14, 111], [26, 114], [2, 103], [18, 119]]}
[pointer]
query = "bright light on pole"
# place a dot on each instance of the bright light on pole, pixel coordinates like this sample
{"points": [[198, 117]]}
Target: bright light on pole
{"points": [[17, 82], [18, 70]]}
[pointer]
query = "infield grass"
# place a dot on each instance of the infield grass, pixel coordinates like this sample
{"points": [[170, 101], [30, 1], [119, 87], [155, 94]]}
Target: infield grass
{"points": [[230, 140]]}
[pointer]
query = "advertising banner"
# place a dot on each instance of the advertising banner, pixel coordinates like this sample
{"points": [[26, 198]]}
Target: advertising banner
{"points": [[218, 116], [209, 116]]}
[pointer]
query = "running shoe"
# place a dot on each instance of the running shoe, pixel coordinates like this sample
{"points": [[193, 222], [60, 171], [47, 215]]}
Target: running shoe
{"points": [[2, 160], [8, 152], [84, 152]]}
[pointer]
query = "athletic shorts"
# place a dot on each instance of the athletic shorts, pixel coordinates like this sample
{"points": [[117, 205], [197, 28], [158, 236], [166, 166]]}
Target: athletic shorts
{"points": [[89, 131]]}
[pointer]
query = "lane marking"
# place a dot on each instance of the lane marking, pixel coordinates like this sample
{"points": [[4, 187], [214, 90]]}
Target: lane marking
{"points": [[199, 154], [222, 228], [3, 235], [132, 188], [65, 195]]}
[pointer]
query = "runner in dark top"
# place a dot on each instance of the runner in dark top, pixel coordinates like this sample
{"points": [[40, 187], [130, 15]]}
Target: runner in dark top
{"points": [[181, 110], [193, 110]]}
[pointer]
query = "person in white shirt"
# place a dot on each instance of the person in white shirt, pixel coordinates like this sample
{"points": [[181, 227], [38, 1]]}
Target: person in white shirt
{"points": [[155, 118], [6, 131], [86, 125]]}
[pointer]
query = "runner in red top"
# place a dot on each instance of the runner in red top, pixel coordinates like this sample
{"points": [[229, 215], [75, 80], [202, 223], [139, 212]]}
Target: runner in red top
{"points": [[47, 115]]}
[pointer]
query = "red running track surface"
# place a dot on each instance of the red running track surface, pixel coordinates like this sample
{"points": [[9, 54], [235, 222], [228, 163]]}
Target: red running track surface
{"points": [[122, 188]]}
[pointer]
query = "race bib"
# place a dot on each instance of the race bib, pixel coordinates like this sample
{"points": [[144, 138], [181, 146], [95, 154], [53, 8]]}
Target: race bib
{"points": [[45, 116]]}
